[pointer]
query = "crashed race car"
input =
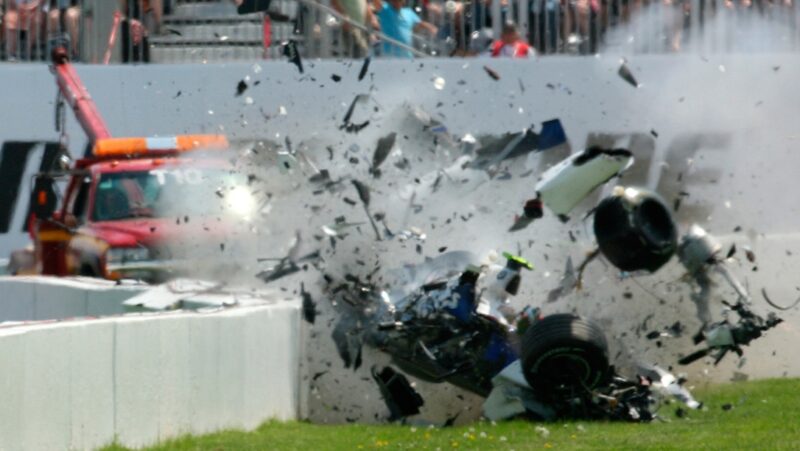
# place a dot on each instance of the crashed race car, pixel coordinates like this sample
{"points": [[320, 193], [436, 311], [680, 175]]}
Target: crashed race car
{"points": [[451, 321]]}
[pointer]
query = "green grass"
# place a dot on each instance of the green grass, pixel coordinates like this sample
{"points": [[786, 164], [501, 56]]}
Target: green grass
{"points": [[765, 415]]}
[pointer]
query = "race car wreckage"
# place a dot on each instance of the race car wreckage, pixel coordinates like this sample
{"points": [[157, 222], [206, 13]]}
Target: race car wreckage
{"points": [[449, 319]]}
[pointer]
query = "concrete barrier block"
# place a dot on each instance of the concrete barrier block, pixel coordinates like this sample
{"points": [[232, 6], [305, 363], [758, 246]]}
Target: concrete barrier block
{"points": [[56, 300], [45, 409], [91, 382], [260, 341], [204, 379], [16, 299], [231, 366], [140, 379], [269, 351], [108, 301], [286, 324], [12, 369], [28, 298], [137, 378], [175, 348]]}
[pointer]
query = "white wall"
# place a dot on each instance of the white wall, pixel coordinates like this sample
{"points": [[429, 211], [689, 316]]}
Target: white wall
{"points": [[679, 94], [141, 379]]}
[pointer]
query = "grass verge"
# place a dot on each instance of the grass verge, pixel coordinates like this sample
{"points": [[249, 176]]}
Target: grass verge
{"points": [[749, 415]]}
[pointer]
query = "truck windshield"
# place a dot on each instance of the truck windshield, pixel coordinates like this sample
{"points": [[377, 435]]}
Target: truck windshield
{"points": [[164, 192]]}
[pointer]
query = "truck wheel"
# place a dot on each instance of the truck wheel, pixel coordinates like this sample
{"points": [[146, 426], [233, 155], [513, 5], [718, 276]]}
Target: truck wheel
{"points": [[564, 355]]}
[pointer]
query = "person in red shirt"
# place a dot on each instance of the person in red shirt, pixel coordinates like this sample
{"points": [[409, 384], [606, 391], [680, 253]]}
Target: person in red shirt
{"points": [[511, 44]]}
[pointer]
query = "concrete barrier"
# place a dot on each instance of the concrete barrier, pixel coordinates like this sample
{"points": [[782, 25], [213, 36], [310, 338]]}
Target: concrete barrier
{"points": [[145, 378], [34, 298]]}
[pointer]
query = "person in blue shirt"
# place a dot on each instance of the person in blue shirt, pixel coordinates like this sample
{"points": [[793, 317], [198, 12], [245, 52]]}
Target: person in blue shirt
{"points": [[399, 22]]}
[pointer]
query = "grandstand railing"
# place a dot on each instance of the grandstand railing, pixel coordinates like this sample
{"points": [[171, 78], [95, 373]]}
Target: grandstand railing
{"points": [[463, 27]]}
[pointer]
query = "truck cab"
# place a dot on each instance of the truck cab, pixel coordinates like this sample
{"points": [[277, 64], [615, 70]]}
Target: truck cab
{"points": [[136, 207], [136, 212]]}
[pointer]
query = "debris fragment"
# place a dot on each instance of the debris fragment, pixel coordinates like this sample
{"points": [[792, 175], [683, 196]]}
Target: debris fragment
{"points": [[627, 75], [751, 256], [382, 150], [291, 52], [309, 306], [363, 194], [492, 73], [670, 385], [511, 145], [769, 301], [347, 336], [339, 227], [564, 185], [364, 68], [724, 336], [552, 135], [400, 397], [286, 266], [336, 78], [542, 431], [346, 124], [532, 211], [241, 87], [569, 281]]}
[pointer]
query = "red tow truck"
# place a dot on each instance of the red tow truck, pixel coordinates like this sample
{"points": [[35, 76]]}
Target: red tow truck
{"points": [[137, 207]]}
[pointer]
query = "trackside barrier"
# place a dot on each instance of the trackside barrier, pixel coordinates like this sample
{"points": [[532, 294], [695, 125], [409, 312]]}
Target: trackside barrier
{"points": [[145, 378], [34, 298]]}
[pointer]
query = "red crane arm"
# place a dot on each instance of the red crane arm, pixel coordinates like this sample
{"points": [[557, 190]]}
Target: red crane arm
{"points": [[78, 97]]}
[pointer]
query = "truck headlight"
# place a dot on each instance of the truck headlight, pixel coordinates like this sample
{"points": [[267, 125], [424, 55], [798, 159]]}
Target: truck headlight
{"points": [[127, 254], [241, 202]]}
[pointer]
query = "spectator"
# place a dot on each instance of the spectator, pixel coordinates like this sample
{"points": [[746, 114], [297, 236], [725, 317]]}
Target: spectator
{"points": [[64, 17], [448, 17], [399, 22], [355, 41], [23, 20], [675, 13], [511, 44], [135, 45], [580, 25], [543, 20]]}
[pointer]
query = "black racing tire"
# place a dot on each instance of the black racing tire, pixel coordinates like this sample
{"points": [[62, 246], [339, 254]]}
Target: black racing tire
{"points": [[636, 233], [564, 355]]}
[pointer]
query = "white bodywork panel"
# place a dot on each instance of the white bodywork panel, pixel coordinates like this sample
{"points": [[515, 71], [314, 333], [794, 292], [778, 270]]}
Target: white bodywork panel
{"points": [[564, 185]]}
